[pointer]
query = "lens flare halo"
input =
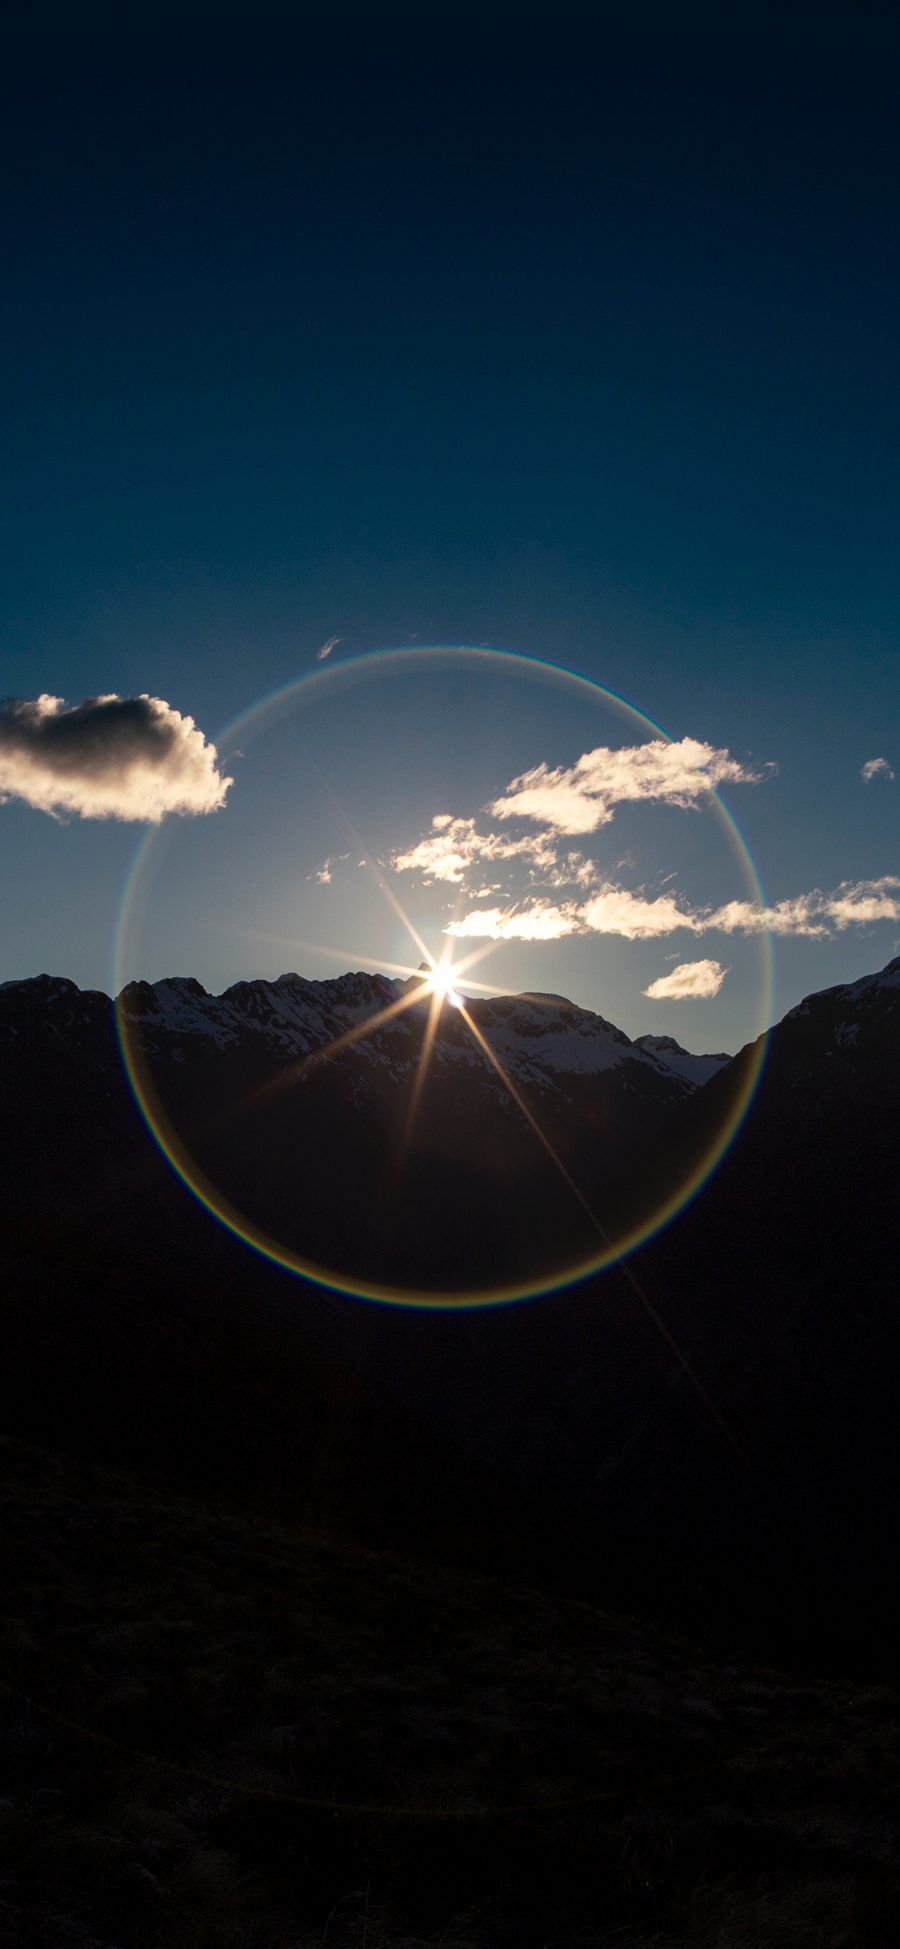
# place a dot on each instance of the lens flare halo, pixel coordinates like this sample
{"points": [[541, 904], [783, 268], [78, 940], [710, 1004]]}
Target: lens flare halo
{"points": [[433, 985]]}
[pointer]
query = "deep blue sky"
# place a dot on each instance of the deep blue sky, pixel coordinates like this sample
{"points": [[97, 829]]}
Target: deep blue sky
{"points": [[575, 338]]}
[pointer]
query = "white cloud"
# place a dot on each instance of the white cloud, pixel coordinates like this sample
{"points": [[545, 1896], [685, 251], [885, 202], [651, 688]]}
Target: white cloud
{"points": [[691, 981], [582, 797], [576, 799], [868, 900], [454, 848], [614, 910], [855, 903], [872, 767], [107, 758], [539, 922], [804, 915], [634, 916], [324, 874]]}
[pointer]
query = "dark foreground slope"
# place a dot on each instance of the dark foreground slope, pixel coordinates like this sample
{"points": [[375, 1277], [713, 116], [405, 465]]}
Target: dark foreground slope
{"points": [[221, 1734], [709, 1431]]}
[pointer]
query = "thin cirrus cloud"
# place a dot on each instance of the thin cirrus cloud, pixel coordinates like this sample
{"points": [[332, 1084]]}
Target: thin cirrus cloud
{"points": [[872, 768], [582, 797], [691, 981], [132, 758]]}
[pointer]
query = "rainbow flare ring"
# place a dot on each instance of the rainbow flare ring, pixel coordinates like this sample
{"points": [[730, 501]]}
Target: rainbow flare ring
{"points": [[350, 672]]}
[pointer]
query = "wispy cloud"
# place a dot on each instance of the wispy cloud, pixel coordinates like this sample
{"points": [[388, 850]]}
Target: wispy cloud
{"points": [[110, 757], [855, 903], [616, 910], [582, 797], [611, 910], [540, 921], [558, 803], [454, 847], [327, 647], [691, 981], [564, 801], [872, 767], [324, 874]]}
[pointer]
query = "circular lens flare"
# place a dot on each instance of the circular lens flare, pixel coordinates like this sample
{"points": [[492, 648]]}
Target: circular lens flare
{"points": [[414, 1002]]}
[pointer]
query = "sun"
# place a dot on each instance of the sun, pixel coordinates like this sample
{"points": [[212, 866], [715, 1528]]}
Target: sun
{"points": [[438, 981]]}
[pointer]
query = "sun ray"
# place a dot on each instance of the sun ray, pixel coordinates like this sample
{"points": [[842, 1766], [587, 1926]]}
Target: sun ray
{"points": [[291, 1073], [356, 1033], [637, 1288], [528, 1114], [436, 1003], [434, 983], [400, 911], [346, 955], [366, 856]]}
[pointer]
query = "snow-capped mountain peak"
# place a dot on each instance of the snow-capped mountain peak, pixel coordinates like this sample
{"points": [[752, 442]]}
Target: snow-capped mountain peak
{"points": [[695, 1069], [538, 1038]]}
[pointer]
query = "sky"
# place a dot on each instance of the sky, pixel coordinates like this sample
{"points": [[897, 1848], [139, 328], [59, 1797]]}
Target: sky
{"points": [[582, 347]]}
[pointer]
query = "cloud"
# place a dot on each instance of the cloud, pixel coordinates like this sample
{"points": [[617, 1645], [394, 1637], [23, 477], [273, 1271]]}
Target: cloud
{"points": [[612, 910], [805, 915], [855, 903], [616, 911], [872, 767], [691, 981], [867, 900], [327, 648], [538, 922], [107, 758], [635, 916], [324, 874], [576, 799], [582, 797], [454, 847]]}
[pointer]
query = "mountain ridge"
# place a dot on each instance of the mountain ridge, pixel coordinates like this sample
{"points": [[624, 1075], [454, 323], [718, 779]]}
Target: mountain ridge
{"points": [[296, 1014], [776, 1285]]}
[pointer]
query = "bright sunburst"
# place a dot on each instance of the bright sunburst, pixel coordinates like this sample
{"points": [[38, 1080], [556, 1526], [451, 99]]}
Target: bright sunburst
{"points": [[439, 982]]}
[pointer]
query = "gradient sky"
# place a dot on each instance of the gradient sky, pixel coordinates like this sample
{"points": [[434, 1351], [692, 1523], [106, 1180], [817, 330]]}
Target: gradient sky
{"points": [[584, 347]]}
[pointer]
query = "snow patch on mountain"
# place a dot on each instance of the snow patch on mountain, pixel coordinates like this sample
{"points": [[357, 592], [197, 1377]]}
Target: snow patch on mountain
{"points": [[880, 987], [694, 1069], [539, 1039]]}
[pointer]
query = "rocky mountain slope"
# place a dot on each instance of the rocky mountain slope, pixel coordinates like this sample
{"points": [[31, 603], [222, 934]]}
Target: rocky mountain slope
{"points": [[541, 1039], [715, 1418], [299, 1101], [695, 1069], [225, 1729]]}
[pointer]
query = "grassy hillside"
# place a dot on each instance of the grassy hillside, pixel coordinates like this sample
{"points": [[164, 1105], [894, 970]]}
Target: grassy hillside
{"points": [[220, 1732]]}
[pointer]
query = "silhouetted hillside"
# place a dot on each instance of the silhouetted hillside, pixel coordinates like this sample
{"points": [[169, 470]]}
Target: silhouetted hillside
{"points": [[226, 1733], [711, 1426]]}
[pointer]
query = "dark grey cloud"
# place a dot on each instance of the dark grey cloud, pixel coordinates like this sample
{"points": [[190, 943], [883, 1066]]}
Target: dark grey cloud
{"points": [[107, 758]]}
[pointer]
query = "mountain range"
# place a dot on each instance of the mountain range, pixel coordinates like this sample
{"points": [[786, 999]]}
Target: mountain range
{"points": [[298, 1102], [711, 1423]]}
